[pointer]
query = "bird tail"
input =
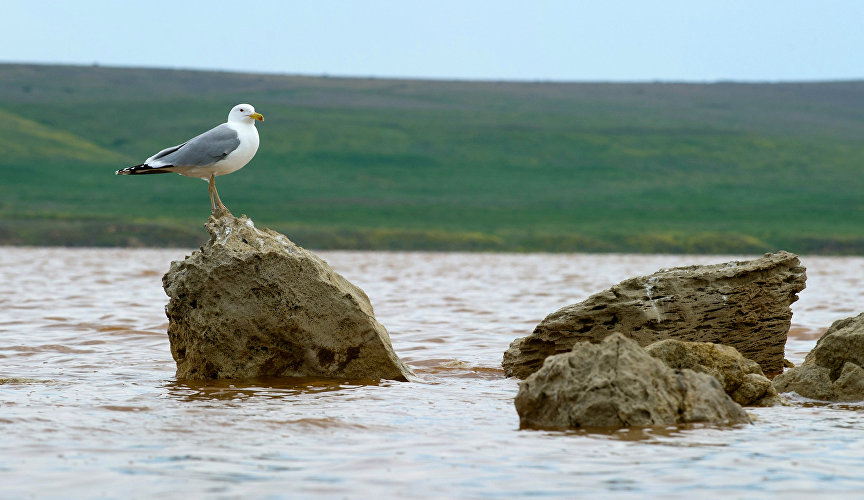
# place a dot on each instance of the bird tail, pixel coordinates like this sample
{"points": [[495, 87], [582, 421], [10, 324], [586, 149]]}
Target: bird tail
{"points": [[142, 169]]}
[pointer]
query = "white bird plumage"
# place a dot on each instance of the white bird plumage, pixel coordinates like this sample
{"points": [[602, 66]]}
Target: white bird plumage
{"points": [[219, 151]]}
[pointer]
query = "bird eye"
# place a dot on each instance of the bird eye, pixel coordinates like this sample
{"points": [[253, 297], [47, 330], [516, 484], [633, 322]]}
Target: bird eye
{"points": [[241, 109]]}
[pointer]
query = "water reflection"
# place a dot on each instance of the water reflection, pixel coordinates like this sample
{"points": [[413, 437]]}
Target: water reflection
{"points": [[645, 435], [429, 369], [268, 387], [803, 402]]}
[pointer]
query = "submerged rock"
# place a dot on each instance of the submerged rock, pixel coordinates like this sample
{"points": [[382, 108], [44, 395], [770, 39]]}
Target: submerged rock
{"points": [[617, 384], [741, 304], [832, 371], [741, 378], [251, 303]]}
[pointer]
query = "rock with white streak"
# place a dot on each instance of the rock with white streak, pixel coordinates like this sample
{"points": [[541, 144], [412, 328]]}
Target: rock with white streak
{"points": [[744, 304]]}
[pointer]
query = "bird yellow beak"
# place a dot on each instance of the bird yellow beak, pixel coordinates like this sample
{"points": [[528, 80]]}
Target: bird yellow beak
{"points": [[257, 116]]}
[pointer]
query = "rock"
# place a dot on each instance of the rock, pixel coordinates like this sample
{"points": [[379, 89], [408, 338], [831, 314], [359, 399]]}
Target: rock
{"points": [[842, 343], [810, 381], [617, 384], [741, 304], [250, 303], [740, 377], [832, 371], [849, 386], [756, 390]]}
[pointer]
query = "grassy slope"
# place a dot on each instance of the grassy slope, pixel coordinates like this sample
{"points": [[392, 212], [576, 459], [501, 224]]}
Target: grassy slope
{"points": [[442, 165]]}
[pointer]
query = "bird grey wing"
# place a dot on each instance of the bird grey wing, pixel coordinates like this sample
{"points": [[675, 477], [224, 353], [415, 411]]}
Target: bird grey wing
{"points": [[164, 152], [205, 149]]}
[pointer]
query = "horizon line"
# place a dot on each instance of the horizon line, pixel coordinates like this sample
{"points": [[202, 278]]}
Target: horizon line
{"points": [[718, 81]]}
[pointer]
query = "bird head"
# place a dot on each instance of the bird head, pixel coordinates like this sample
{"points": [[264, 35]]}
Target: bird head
{"points": [[244, 113]]}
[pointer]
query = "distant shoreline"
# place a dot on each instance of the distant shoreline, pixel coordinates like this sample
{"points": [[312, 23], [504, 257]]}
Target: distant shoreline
{"points": [[111, 233]]}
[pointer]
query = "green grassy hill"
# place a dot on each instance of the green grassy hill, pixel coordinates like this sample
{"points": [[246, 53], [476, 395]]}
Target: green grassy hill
{"points": [[400, 164]]}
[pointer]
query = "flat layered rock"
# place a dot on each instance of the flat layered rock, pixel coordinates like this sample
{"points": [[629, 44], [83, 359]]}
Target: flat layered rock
{"points": [[832, 371], [744, 304], [617, 384], [250, 303]]}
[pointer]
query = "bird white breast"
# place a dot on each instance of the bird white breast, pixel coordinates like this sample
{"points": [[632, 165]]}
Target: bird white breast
{"points": [[238, 158]]}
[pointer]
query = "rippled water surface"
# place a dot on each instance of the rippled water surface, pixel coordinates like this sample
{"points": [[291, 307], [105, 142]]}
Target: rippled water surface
{"points": [[89, 406]]}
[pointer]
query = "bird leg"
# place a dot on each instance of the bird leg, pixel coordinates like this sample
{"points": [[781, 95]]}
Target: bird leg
{"points": [[210, 185], [218, 206]]}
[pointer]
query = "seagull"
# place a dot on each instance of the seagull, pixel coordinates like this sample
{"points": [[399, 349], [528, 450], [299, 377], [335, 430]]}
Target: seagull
{"points": [[221, 150]]}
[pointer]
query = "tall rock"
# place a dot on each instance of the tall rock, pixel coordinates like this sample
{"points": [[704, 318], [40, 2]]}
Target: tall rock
{"points": [[617, 384], [250, 303], [742, 304]]}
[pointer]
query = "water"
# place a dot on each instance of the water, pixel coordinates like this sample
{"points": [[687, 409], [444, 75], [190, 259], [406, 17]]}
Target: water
{"points": [[94, 410]]}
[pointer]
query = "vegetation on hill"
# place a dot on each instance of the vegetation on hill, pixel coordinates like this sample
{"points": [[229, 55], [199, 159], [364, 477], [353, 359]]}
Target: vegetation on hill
{"points": [[440, 165]]}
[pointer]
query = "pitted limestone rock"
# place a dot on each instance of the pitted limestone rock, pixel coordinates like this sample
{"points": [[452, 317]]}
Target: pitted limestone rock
{"points": [[250, 303], [617, 384]]}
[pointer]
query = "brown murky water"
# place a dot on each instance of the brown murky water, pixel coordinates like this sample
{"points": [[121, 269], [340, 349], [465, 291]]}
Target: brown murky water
{"points": [[93, 410]]}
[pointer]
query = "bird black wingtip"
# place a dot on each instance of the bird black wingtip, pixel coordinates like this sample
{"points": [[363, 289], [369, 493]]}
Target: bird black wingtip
{"points": [[144, 169]]}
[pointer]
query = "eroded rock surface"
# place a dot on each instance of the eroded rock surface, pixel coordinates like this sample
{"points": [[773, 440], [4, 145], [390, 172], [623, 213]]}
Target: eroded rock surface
{"points": [[617, 384], [251, 303], [832, 371], [741, 304], [741, 378]]}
